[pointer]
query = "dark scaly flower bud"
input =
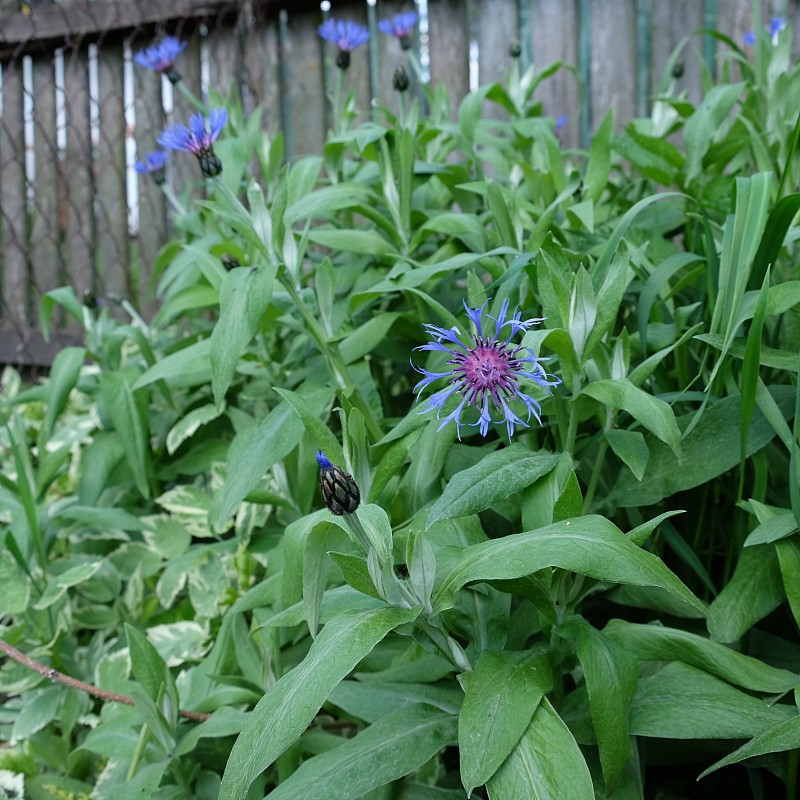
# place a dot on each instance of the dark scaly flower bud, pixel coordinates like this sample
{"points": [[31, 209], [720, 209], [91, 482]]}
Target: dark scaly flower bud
{"points": [[677, 70], [343, 59], [89, 300], [339, 491], [400, 80], [210, 165], [229, 262], [514, 48]]}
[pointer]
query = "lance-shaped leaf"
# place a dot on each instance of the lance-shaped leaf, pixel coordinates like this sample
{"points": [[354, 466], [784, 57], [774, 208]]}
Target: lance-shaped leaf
{"points": [[590, 545], [492, 479], [288, 707]]}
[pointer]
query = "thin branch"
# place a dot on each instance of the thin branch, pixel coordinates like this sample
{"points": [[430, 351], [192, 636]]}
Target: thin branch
{"points": [[55, 675]]}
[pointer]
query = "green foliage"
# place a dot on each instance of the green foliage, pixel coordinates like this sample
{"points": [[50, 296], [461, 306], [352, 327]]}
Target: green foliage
{"points": [[509, 619]]}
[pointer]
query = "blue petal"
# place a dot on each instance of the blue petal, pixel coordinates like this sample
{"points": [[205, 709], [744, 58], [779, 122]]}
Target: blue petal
{"points": [[217, 119], [323, 462], [176, 137]]}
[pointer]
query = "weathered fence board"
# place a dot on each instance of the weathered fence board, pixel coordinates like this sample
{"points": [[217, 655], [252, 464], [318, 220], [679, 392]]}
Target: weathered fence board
{"points": [[75, 212], [111, 218], [12, 202]]}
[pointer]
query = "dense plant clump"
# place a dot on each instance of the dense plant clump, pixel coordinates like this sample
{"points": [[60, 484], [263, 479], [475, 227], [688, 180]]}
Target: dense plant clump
{"points": [[239, 559]]}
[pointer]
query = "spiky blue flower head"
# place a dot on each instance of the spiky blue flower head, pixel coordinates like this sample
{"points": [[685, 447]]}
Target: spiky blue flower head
{"points": [[344, 33], [154, 165], [776, 25], [198, 138], [155, 161], [400, 25], [486, 372], [161, 57]]}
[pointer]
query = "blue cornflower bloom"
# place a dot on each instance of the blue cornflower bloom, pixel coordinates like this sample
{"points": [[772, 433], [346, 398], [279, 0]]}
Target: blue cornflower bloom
{"points": [[198, 139], [561, 121], [776, 25], [489, 368], [400, 25], [153, 165], [161, 57], [346, 35]]}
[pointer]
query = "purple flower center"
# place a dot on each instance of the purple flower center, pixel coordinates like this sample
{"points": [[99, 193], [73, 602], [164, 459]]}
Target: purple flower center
{"points": [[486, 368]]}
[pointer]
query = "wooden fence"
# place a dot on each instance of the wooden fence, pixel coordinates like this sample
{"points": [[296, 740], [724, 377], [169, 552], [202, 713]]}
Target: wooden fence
{"points": [[73, 108]]}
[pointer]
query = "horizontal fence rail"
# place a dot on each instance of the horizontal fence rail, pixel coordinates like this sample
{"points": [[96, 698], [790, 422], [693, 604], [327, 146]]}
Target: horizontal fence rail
{"points": [[76, 112]]}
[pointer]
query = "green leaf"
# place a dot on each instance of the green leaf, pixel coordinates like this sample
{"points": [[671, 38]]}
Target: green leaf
{"points": [[321, 434], [254, 451], [390, 748], [365, 338], [718, 711], [244, 297], [290, 704], [631, 448], [654, 414], [779, 738], [599, 166], [753, 592], [778, 222], [494, 478], [16, 586], [706, 121], [189, 366], [657, 643], [590, 545], [501, 696], [582, 314], [788, 551], [146, 664], [710, 449], [64, 374], [611, 675], [546, 763], [129, 421], [188, 425], [351, 241]]}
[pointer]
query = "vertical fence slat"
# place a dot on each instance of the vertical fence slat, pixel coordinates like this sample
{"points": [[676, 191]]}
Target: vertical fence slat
{"points": [[45, 247], [78, 190], [306, 96], [496, 26], [261, 71], [449, 47], [613, 60], [225, 53], [12, 201], [555, 38], [152, 228], [671, 23], [110, 175]]}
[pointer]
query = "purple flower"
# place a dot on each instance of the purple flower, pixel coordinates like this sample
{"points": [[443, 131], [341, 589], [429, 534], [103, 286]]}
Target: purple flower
{"points": [[198, 139], [154, 161], [561, 121], [776, 25], [489, 368], [346, 35], [160, 57], [153, 165], [400, 25]]}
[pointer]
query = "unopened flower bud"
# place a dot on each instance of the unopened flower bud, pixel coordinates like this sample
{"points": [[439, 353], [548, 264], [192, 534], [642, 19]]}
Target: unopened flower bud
{"points": [[343, 59], [400, 80], [514, 48], [210, 165], [229, 262], [339, 491], [677, 70]]}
